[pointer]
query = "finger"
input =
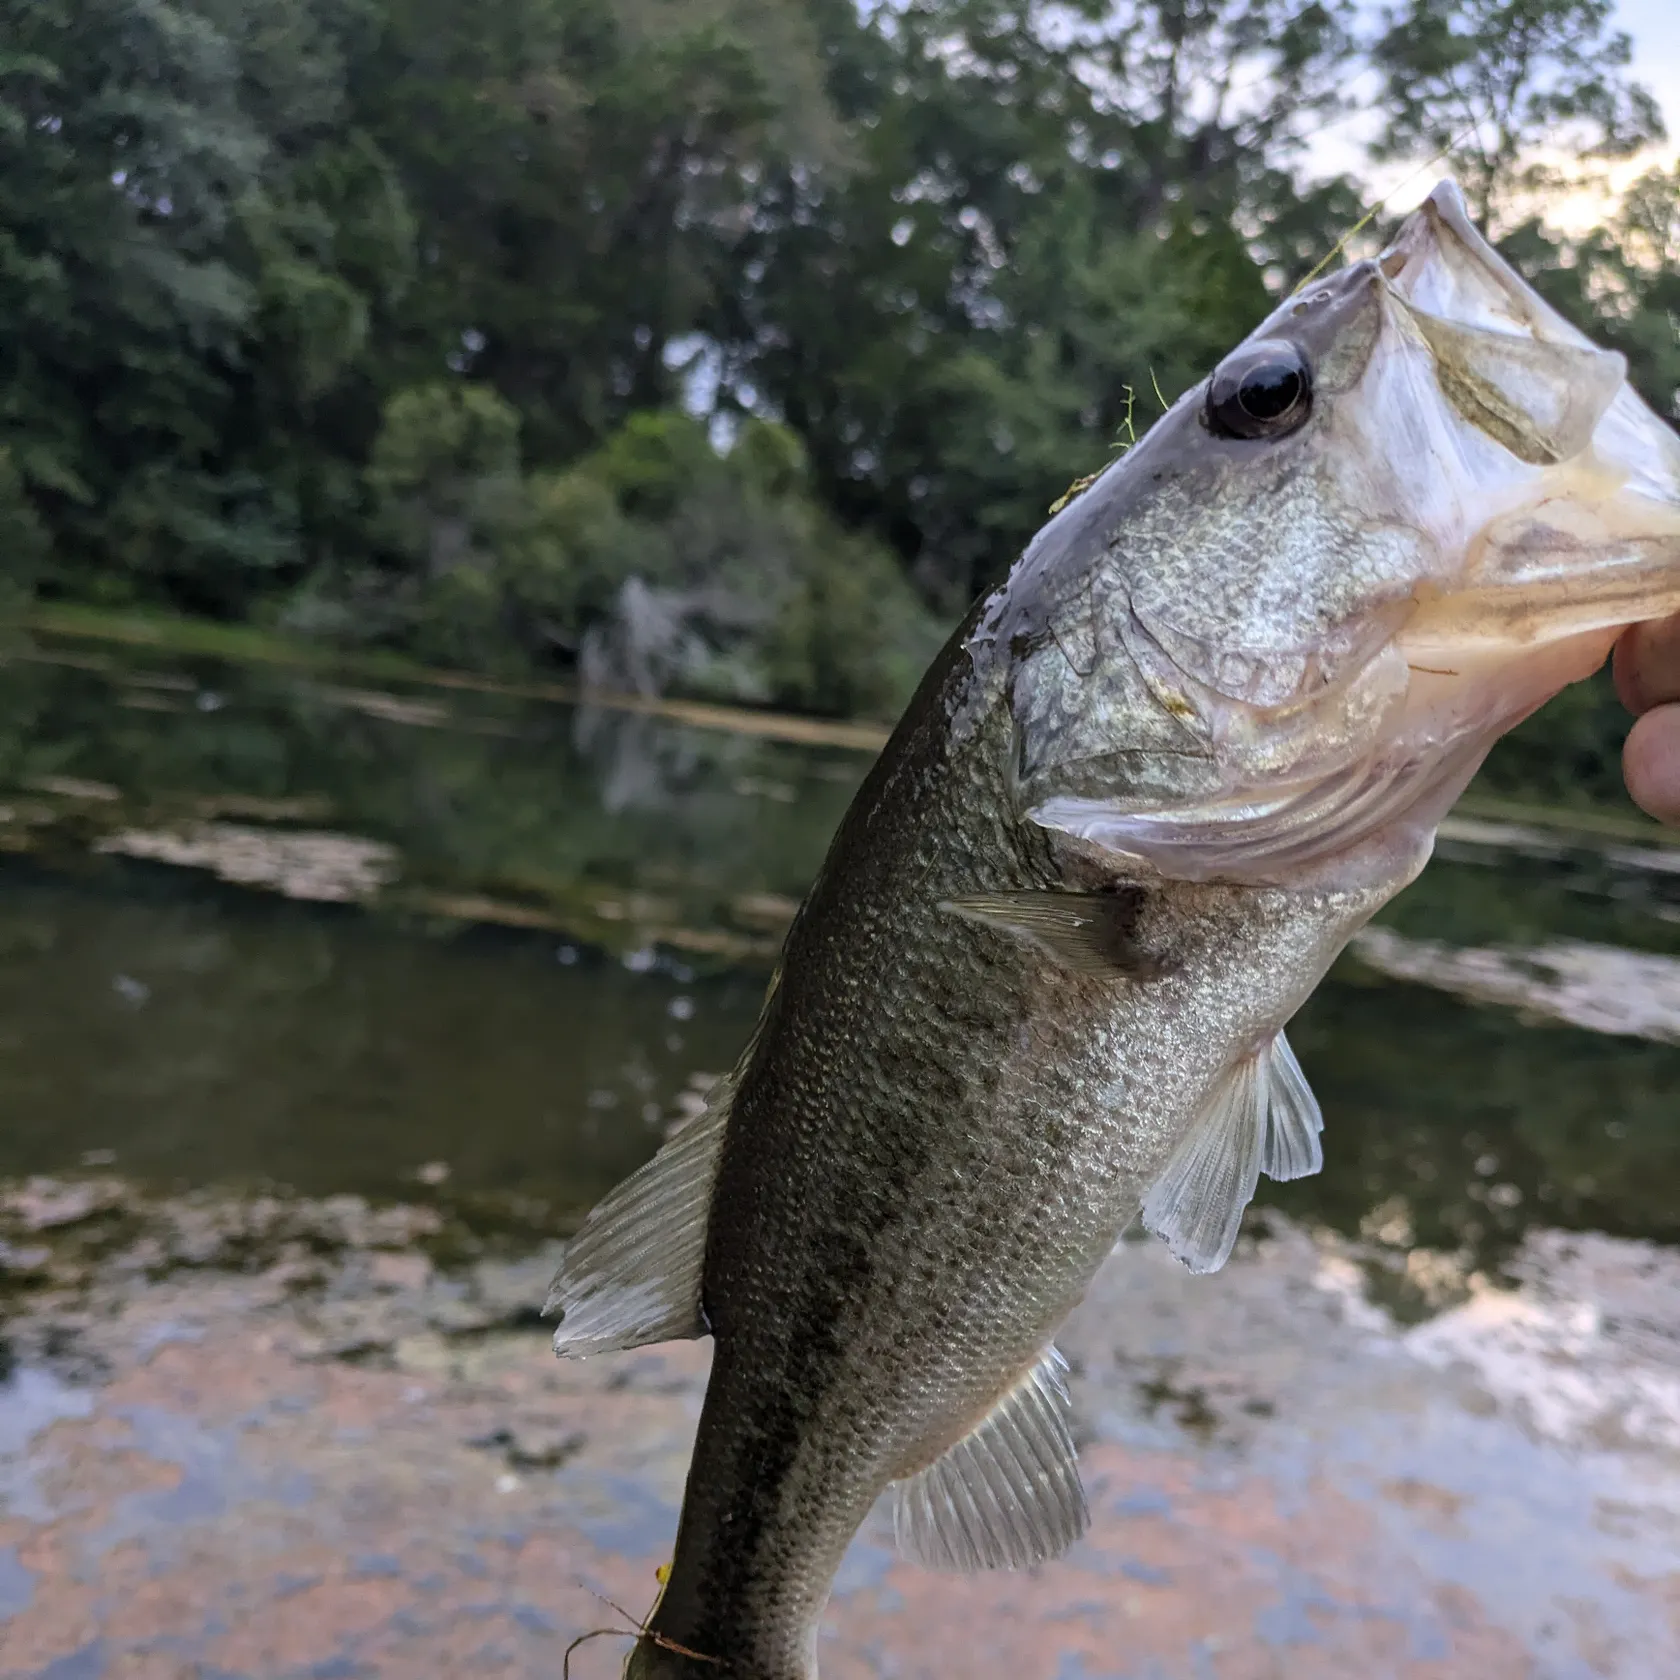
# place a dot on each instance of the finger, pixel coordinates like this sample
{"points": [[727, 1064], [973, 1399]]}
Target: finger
{"points": [[1647, 665], [1651, 763]]}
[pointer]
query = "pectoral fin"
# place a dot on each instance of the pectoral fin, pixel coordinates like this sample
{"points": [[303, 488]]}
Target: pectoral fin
{"points": [[1089, 933], [632, 1274], [1262, 1117], [1008, 1494]]}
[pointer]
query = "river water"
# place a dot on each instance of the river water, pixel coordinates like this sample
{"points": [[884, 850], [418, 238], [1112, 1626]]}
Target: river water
{"points": [[385, 1017], [278, 952]]}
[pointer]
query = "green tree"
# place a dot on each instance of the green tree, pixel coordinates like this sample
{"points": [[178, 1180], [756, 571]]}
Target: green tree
{"points": [[1642, 248], [581, 171], [122, 156], [1047, 216], [170, 299], [1511, 87], [722, 576], [23, 540]]}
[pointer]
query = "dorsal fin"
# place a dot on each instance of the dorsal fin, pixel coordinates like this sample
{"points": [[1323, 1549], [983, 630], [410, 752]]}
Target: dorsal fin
{"points": [[1008, 1493], [1261, 1117], [632, 1274]]}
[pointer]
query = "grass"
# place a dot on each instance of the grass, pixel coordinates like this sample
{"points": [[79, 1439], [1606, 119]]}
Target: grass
{"points": [[204, 638]]}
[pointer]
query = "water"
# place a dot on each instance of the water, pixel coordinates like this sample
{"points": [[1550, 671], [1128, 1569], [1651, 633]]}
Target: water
{"points": [[468, 956], [560, 921], [182, 1033]]}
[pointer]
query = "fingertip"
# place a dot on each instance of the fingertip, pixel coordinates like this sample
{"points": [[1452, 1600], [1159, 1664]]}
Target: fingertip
{"points": [[1651, 764], [1624, 669], [1646, 665]]}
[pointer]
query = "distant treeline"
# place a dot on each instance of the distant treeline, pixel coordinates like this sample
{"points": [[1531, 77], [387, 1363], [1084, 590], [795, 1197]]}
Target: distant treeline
{"points": [[725, 346]]}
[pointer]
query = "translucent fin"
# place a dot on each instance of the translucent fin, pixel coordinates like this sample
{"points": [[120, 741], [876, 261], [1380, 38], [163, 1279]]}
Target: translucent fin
{"points": [[1263, 1118], [1541, 400], [1090, 933], [1293, 1118], [632, 1273], [1197, 1203], [1008, 1494]]}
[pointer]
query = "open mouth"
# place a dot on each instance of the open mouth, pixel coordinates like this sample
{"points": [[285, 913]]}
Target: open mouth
{"points": [[1571, 484]]}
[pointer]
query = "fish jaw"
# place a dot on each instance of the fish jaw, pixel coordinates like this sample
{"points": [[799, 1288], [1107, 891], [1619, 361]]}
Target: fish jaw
{"points": [[1558, 487], [1516, 505]]}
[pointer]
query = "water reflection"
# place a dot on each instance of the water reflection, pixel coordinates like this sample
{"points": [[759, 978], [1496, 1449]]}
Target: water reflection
{"points": [[644, 870], [1472, 1125], [624, 828], [187, 1034]]}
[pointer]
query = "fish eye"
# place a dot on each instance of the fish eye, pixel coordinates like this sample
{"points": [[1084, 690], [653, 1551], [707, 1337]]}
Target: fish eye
{"points": [[1263, 390]]}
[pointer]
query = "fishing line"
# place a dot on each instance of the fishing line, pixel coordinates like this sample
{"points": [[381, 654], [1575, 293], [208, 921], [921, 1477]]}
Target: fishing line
{"points": [[636, 1630], [1377, 209]]}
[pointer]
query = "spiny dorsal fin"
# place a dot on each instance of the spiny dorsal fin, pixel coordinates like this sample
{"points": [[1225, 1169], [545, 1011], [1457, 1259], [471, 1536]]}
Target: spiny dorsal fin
{"points": [[1089, 933], [1262, 1117], [632, 1274], [1008, 1493]]}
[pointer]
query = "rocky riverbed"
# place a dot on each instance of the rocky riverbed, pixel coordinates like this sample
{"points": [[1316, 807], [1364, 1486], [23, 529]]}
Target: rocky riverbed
{"points": [[274, 1438]]}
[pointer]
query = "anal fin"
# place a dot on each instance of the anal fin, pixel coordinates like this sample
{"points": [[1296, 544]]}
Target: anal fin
{"points": [[632, 1274], [1262, 1117], [1008, 1493]]}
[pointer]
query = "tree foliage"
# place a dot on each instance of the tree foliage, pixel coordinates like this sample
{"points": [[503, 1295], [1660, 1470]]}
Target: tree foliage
{"points": [[721, 345], [1517, 89]]}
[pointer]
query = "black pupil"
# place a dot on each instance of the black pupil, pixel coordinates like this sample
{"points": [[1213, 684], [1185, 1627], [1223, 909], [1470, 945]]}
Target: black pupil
{"points": [[1269, 391]]}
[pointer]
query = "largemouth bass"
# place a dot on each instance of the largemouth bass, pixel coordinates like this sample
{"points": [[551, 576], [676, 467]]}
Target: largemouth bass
{"points": [[1138, 805]]}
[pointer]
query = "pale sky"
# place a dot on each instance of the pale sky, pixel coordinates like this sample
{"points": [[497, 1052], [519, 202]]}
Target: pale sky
{"points": [[1655, 28], [1656, 63]]}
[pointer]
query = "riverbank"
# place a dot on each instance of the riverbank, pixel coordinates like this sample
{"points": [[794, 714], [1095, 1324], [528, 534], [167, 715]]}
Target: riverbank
{"points": [[193, 638], [279, 1438], [246, 645]]}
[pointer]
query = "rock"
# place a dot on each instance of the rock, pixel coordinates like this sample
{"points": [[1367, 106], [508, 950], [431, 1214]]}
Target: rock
{"points": [[400, 1271], [43, 1204]]}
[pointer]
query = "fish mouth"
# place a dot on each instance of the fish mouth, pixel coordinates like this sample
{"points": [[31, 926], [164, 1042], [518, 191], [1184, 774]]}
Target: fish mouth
{"points": [[1567, 504], [1571, 501]]}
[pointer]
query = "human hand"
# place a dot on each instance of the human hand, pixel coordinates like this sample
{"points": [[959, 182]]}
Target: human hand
{"points": [[1647, 667]]}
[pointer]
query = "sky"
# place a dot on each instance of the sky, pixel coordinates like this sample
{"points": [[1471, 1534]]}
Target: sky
{"points": [[1656, 63], [1656, 53]]}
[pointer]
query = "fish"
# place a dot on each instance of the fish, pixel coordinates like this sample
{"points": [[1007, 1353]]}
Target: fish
{"points": [[1039, 990]]}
